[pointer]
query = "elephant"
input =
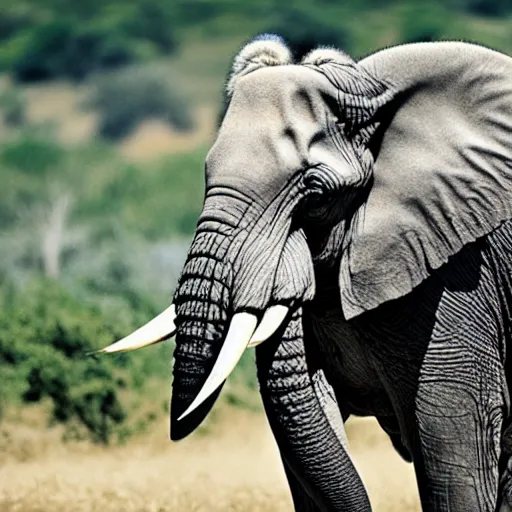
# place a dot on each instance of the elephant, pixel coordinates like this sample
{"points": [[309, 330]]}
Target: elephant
{"points": [[357, 230]]}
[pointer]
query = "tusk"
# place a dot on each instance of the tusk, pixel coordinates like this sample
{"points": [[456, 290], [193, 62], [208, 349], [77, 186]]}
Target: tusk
{"points": [[156, 330], [271, 321], [240, 330]]}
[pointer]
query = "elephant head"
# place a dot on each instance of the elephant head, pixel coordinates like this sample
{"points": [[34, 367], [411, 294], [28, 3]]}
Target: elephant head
{"points": [[329, 174]]}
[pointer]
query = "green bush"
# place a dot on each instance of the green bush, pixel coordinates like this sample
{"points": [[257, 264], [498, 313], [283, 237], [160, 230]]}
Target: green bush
{"points": [[129, 96], [13, 22], [153, 22], [165, 198], [32, 154], [44, 336], [25, 164], [63, 49], [65, 39]]}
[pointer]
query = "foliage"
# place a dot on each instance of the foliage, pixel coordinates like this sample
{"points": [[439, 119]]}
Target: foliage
{"points": [[65, 39], [44, 335], [306, 28], [484, 7], [44, 39], [40, 183], [60, 49], [131, 95], [84, 213], [166, 199], [31, 154]]}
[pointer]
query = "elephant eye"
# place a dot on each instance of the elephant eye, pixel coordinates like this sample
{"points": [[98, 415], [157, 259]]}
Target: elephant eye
{"points": [[313, 181], [321, 180]]}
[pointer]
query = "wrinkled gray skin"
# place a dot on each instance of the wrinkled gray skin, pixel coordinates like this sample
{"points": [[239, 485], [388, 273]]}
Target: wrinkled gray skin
{"points": [[374, 200]]}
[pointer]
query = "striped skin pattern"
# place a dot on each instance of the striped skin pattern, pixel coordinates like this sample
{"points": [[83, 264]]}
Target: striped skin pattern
{"points": [[431, 367], [461, 412]]}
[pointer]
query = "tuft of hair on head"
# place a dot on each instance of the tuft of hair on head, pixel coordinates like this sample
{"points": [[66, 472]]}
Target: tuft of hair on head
{"points": [[327, 55], [262, 51]]}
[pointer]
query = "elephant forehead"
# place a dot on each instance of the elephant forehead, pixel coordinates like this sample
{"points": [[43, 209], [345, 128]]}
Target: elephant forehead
{"points": [[273, 116], [273, 85]]}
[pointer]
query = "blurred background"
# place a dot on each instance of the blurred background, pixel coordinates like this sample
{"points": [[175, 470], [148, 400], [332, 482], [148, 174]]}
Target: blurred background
{"points": [[107, 109]]}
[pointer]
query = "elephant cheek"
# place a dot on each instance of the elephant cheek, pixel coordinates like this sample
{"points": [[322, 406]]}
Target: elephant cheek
{"points": [[310, 439], [295, 277]]}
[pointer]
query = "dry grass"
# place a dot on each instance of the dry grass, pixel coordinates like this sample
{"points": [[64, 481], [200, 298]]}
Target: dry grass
{"points": [[60, 104], [234, 468], [390, 481]]}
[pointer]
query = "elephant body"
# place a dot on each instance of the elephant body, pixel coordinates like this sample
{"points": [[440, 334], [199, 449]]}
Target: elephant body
{"points": [[357, 227], [433, 374], [436, 376]]}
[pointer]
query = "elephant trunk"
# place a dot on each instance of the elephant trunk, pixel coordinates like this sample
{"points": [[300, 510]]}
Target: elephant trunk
{"points": [[306, 423], [222, 304], [202, 302], [235, 291]]}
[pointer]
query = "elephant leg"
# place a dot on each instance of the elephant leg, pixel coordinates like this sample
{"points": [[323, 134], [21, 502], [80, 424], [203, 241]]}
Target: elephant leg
{"points": [[506, 470], [460, 405], [307, 426], [458, 470]]}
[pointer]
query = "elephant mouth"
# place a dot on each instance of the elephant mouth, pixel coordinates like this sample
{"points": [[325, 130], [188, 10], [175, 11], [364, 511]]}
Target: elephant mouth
{"points": [[189, 408]]}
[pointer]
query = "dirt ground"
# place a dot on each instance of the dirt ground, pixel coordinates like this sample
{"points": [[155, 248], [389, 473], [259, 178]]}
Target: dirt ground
{"points": [[234, 467]]}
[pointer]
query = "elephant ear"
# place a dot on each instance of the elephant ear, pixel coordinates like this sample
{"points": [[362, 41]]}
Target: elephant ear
{"points": [[443, 167]]}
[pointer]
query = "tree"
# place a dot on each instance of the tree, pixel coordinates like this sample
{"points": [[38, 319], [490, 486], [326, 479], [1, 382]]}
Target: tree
{"points": [[43, 185]]}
